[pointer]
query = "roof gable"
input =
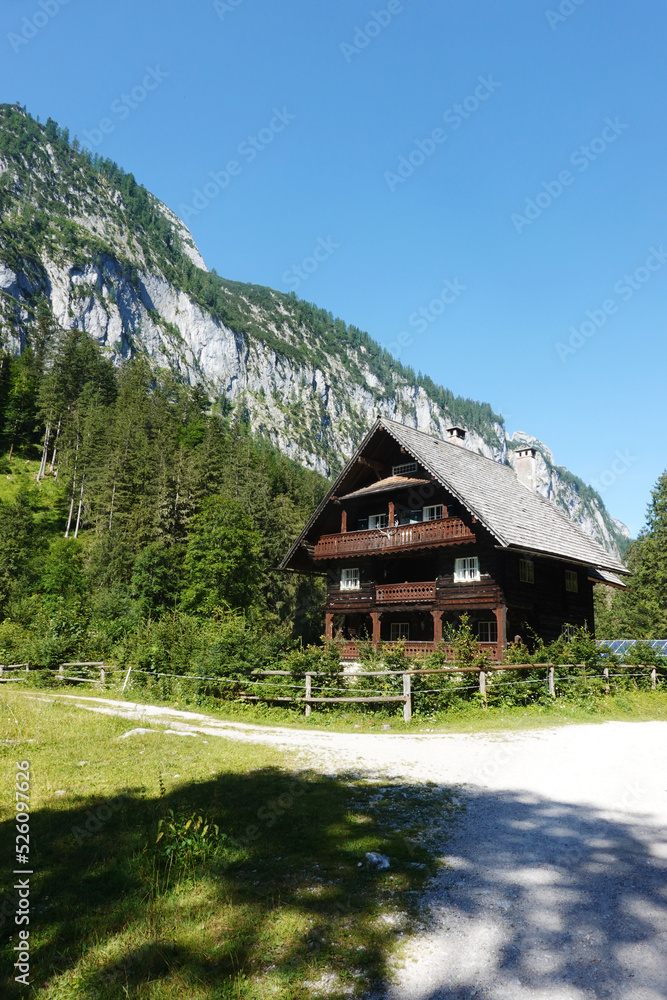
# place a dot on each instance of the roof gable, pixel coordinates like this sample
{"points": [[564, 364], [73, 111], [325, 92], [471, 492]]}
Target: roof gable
{"points": [[491, 492]]}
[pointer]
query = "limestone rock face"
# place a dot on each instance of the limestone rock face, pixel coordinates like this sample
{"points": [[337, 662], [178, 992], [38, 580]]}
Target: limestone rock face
{"points": [[97, 267]]}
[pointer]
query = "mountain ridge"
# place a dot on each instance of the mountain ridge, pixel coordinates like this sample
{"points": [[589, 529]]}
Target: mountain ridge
{"points": [[83, 245]]}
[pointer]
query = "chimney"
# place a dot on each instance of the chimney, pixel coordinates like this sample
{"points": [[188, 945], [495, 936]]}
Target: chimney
{"points": [[526, 468], [457, 436]]}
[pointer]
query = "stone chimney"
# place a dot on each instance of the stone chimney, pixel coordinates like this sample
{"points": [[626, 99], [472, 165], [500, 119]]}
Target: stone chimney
{"points": [[457, 436], [526, 467]]}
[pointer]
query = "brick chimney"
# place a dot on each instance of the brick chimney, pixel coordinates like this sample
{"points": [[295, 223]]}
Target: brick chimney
{"points": [[526, 468], [457, 436]]}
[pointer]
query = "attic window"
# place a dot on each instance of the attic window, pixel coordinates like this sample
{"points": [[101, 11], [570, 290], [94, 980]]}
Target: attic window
{"points": [[404, 469]]}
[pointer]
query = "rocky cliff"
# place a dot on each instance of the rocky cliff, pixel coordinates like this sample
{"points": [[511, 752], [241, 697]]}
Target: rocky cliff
{"points": [[83, 245]]}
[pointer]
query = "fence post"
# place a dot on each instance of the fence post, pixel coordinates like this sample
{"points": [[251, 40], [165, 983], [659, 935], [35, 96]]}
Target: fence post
{"points": [[61, 671], [309, 690], [407, 693], [127, 677], [1, 670], [552, 680], [27, 668], [102, 675], [605, 674], [482, 686], [654, 678]]}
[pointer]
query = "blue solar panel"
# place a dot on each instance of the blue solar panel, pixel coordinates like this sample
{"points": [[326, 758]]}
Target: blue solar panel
{"points": [[621, 646]]}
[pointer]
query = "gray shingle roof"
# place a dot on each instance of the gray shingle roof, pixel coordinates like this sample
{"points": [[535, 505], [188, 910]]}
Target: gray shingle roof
{"points": [[491, 492]]}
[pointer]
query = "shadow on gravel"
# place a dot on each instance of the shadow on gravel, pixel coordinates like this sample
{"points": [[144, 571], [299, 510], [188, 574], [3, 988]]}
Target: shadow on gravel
{"points": [[548, 900]]}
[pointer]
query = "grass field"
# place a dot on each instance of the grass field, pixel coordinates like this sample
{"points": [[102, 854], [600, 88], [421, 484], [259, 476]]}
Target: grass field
{"points": [[167, 866]]}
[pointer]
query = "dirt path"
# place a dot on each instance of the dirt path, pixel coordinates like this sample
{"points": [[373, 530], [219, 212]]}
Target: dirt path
{"points": [[555, 885]]}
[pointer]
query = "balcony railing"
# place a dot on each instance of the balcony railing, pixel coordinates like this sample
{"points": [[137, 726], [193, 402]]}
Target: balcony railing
{"points": [[350, 650], [405, 593], [406, 536]]}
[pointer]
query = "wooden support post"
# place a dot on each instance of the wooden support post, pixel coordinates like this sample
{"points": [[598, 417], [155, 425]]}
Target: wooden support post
{"points": [[27, 668], [482, 686], [407, 693], [375, 618], [391, 513], [437, 627], [552, 680], [501, 621], [605, 674], [309, 691], [102, 675], [654, 679], [328, 625], [343, 521], [61, 671]]}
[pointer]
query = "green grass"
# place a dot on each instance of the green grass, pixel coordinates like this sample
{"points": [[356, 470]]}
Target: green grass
{"points": [[267, 900]]}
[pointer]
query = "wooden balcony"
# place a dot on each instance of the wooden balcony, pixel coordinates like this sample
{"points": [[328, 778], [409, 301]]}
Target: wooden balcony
{"points": [[350, 650], [448, 531], [404, 593]]}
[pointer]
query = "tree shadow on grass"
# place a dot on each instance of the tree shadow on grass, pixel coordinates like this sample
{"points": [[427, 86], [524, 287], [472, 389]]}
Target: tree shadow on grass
{"points": [[543, 899], [275, 895]]}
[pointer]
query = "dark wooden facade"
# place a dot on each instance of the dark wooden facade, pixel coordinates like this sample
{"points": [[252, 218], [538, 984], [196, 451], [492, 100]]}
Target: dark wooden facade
{"points": [[399, 579]]}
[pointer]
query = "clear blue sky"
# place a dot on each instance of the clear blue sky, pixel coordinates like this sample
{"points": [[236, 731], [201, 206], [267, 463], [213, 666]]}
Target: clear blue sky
{"points": [[360, 102]]}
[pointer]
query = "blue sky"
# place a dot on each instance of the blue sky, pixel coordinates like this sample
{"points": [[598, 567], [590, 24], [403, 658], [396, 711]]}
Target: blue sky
{"points": [[530, 137]]}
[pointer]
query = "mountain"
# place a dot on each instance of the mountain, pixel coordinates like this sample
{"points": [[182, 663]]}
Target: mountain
{"points": [[83, 245]]}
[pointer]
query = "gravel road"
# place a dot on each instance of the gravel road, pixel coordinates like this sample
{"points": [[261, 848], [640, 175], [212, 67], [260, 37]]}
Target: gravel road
{"points": [[555, 877]]}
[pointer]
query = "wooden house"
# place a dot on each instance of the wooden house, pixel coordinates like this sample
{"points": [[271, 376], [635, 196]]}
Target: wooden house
{"points": [[416, 531]]}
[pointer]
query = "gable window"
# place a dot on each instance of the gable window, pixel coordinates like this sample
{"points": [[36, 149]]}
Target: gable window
{"points": [[399, 630], [404, 469], [526, 571], [466, 570], [349, 579], [433, 513], [572, 581], [487, 631], [378, 520]]}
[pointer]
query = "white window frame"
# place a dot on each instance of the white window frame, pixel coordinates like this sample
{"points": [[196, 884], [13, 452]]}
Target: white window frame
{"points": [[526, 571], [350, 578], [404, 469], [431, 513], [466, 570], [572, 581], [398, 631], [376, 521], [487, 631]]}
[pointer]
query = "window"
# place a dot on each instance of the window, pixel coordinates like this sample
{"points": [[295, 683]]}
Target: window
{"points": [[568, 631], [487, 631], [399, 630], [433, 513], [362, 524], [349, 579], [572, 581], [409, 516], [526, 571], [403, 470], [466, 570], [378, 520]]}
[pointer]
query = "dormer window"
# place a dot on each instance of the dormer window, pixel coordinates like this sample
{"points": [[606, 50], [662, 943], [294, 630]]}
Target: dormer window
{"points": [[404, 470]]}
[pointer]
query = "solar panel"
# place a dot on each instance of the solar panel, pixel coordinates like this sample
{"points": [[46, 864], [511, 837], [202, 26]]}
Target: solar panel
{"points": [[621, 646]]}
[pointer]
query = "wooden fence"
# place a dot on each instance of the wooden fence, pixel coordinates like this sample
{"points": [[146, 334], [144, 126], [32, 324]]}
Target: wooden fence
{"points": [[485, 680]]}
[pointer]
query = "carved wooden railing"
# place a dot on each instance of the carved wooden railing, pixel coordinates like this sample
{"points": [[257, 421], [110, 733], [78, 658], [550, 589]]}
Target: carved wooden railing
{"points": [[405, 536], [404, 593], [350, 650]]}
